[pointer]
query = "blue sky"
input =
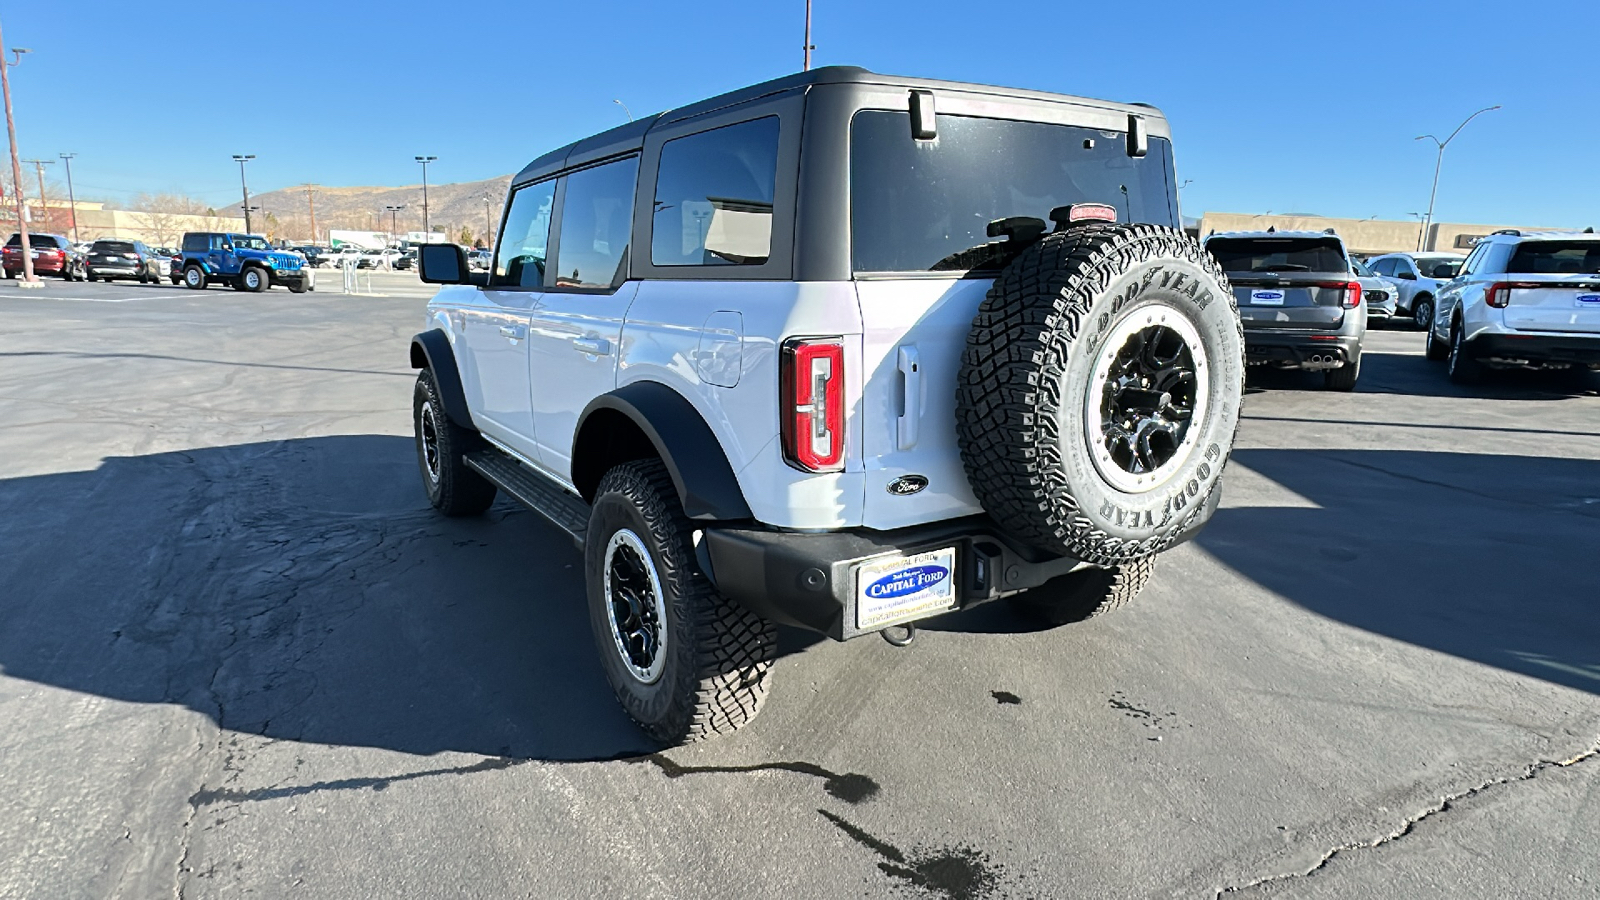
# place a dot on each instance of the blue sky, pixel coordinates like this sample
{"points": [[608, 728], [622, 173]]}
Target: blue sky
{"points": [[1288, 107]]}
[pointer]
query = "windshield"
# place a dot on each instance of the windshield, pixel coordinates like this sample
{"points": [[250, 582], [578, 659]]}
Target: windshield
{"points": [[1556, 258], [1439, 268], [1361, 268], [925, 205], [1278, 254], [248, 242]]}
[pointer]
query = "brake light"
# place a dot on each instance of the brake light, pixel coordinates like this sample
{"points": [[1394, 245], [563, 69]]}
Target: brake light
{"points": [[811, 386], [1352, 292], [1499, 294]]}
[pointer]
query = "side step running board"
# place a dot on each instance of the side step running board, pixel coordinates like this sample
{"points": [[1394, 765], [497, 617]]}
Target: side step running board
{"points": [[534, 490]]}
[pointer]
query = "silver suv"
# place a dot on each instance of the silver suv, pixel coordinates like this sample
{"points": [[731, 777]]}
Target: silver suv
{"points": [[1299, 299], [1523, 301], [1417, 278]]}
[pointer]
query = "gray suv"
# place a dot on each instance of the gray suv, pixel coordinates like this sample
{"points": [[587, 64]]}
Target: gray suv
{"points": [[1299, 299]]}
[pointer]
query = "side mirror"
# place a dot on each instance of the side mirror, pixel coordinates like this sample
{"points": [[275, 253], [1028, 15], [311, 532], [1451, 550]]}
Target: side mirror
{"points": [[1405, 276], [442, 264]]}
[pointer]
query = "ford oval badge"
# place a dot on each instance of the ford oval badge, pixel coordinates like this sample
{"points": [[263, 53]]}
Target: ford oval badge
{"points": [[906, 485]]}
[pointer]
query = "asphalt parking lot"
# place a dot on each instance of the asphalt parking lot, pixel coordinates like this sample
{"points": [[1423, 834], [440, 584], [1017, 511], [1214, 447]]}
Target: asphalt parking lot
{"points": [[238, 653]]}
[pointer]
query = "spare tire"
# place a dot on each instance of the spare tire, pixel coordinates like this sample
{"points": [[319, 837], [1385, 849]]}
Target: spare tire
{"points": [[1100, 389]]}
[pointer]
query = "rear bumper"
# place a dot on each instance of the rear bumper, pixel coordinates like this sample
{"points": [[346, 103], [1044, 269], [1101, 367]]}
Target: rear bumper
{"points": [[809, 580], [1513, 349], [1295, 350], [104, 271]]}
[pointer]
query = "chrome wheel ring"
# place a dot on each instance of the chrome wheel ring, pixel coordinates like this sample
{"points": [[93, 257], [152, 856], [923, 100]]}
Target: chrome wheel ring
{"points": [[1146, 398], [635, 606], [428, 433]]}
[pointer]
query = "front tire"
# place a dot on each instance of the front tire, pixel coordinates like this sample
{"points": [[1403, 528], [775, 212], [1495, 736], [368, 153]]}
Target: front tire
{"points": [[1085, 593], [685, 662], [453, 488], [1435, 349], [1463, 369], [1422, 312], [254, 280]]}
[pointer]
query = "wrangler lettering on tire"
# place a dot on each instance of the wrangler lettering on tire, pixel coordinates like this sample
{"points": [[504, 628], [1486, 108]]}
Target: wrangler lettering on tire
{"points": [[1102, 442]]}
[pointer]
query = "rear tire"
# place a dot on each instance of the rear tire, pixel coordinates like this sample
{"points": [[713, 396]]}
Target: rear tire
{"points": [[1342, 378], [453, 488], [1084, 593], [686, 663], [1463, 369], [194, 278]]}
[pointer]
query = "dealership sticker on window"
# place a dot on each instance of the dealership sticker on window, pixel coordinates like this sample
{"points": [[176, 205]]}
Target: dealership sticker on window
{"points": [[1266, 298], [906, 588]]}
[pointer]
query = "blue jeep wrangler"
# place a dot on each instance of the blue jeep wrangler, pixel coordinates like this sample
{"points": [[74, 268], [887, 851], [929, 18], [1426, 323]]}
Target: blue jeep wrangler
{"points": [[244, 261]]}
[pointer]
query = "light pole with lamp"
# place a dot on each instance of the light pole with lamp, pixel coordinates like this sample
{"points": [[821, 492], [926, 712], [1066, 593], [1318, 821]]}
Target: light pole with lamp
{"points": [[1421, 229], [28, 278], [241, 159], [424, 160], [625, 109], [72, 200], [394, 218], [1427, 225], [488, 220]]}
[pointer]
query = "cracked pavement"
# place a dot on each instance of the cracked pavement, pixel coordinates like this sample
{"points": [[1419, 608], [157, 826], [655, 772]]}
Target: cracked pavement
{"points": [[238, 653]]}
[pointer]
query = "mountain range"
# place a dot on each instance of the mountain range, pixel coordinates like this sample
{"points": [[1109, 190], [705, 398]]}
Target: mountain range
{"points": [[451, 207]]}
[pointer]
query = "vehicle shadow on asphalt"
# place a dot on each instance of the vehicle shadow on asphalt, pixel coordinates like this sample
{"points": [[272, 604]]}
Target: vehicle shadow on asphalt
{"points": [[1487, 558], [304, 590], [1417, 376]]}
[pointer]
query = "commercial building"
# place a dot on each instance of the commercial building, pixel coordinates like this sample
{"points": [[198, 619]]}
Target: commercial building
{"points": [[94, 221], [1369, 236]]}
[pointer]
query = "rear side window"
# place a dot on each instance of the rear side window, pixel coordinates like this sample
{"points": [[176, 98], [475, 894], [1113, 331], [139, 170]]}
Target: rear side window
{"points": [[596, 220], [1556, 258], [926, 205], [713, 203], [196, 243], [1278, 254]]}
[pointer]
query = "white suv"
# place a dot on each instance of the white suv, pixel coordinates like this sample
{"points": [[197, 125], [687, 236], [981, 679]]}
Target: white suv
{"points": [[809, 353], [1417, 278], [1521, 300]]}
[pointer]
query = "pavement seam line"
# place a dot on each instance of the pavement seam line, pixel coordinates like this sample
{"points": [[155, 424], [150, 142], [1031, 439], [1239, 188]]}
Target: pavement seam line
{"points": [[1409, 824]]}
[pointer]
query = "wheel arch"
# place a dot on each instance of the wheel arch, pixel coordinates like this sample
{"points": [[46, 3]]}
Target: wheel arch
{"points": [[648, 419], [431, 350]]}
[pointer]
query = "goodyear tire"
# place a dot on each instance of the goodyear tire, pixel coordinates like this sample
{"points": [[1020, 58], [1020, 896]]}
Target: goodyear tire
{"points": [[1099, 391], [1085, 593], [685, 662]]}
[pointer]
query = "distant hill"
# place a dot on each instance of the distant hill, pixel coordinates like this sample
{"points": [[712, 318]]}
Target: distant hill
{"points": [[451, 207]]}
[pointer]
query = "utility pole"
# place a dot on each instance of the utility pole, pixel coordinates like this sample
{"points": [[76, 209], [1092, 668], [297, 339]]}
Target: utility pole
{"points": [[1427, 227], [426, 226], [72, 199], [488, 220], [311, 201], [44, 204], [241, 159], [809, 47], [28, 278]]}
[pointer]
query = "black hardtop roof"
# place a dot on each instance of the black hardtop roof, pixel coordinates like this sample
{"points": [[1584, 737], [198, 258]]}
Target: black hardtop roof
{"points": [[631, 136]]}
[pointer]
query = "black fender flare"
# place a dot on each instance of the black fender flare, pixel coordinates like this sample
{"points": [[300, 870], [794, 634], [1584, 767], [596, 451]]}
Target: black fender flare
{"points": [[693, 456], [431, 350]]}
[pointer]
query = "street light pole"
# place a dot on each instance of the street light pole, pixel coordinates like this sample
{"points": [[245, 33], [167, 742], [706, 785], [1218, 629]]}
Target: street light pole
{"points": [[241, 159], [625, 109], [426, 224], [394, 218], [28, 278], [1439, 162], [44, 203], [488, 220], [72, 199]]}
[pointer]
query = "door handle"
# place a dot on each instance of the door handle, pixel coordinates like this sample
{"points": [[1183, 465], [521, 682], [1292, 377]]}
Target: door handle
{"points": [[593, 346], [911, 398], [511, 331]]}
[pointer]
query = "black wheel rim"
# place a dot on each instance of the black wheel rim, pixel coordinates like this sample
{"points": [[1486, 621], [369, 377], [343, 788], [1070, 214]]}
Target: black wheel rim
{"points": [[1148, 399], [428, 431], [634, 606]]}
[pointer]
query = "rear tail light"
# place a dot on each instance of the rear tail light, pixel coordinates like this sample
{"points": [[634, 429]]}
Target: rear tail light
{"points": [[1499, 294], [811, 384], [1352, 292]]}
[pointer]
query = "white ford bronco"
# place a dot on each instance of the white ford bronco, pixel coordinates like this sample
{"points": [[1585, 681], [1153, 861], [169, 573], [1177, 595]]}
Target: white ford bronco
{"points": [[839, 351]]}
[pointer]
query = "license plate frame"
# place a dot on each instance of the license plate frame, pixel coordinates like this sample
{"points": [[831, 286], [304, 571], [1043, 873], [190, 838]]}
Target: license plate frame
{"points": [[1267, 297], [895, 589]]}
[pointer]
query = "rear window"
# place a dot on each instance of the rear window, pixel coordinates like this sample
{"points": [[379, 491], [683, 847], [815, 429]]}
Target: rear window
{"points": [[1278, 254], [1556, 258], [34, 241], [919, 206], [112, 247]]}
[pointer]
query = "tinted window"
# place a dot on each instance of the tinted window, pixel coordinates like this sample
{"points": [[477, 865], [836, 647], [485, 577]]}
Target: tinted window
{"points": [[713, 203], [596, 218], [112, 247], [34, 240], [195, 243], [525, 239], [1475, 259], [1556, 258], [1361, 268], [921, 205], [1278, 254]]}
